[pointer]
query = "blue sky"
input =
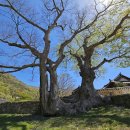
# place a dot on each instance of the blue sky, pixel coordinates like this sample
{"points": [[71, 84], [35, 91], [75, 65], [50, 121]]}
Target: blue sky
{"points": [[111, 71]]}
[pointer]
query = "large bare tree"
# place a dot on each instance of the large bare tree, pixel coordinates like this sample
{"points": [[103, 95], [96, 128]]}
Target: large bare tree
{"points": [[28, 34]]}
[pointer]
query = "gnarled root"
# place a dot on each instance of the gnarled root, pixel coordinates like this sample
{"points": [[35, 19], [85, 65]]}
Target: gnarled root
{"points": [[81, 106]]}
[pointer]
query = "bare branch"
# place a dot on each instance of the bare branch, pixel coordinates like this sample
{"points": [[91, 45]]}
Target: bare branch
{"points": [[110, 60], [78, 58], [33, 50], [16, 69], [15, 44], [10, 6], [59, 14], [76, 32]]}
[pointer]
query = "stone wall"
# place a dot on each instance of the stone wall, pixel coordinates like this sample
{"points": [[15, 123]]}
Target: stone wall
{"points": [[114, 91], [19, 107], [121, 100]]}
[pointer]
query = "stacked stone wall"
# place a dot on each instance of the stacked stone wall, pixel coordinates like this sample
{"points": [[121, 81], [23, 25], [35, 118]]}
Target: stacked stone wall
{"points": [[19, 107], [114, 91], [121, 100]]}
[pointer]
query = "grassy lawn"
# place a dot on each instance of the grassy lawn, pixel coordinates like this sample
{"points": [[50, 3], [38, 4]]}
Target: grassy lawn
{"points": [[103, 118]]}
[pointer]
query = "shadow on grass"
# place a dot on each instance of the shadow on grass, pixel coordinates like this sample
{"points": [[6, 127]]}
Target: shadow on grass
{"points": [[95, 117], [89, 121], [18, 121]]}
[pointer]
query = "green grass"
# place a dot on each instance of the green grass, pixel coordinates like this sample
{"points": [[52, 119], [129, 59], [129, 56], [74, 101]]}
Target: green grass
{"points": [[12, 89], [103, 118]]}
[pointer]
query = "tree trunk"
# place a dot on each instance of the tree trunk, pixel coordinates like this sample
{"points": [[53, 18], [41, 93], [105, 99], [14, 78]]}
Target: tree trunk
{"points": [[87, 87], [53, 96], [88, 95], [51, 104], [43, 89]]}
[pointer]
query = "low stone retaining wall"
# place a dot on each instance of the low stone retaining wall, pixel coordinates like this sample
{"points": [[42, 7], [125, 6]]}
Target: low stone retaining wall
{"points": [[121, 100], [19, 107], [30, 107], [114, 91]]}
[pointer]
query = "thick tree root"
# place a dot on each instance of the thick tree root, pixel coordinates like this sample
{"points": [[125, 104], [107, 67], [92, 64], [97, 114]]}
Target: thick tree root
{"points": [[81, 106], [76, 103]]}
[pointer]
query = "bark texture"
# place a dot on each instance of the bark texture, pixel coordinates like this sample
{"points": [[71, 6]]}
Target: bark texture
{"points": [[43, 89]]}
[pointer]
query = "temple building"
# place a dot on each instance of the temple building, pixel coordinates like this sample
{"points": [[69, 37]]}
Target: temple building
{"points": [[119, 86], [119, 81]]}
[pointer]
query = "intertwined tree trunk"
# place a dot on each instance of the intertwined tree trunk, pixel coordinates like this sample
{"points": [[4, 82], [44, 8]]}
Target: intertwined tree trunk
{"points": [[87, 88], [53, 98], [86, 94], [89, 97], [48, 94], [43, 88]]}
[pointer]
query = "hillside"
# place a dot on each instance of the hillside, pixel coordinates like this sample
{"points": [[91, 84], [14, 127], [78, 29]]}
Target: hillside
{"points": [[12, 89]]}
